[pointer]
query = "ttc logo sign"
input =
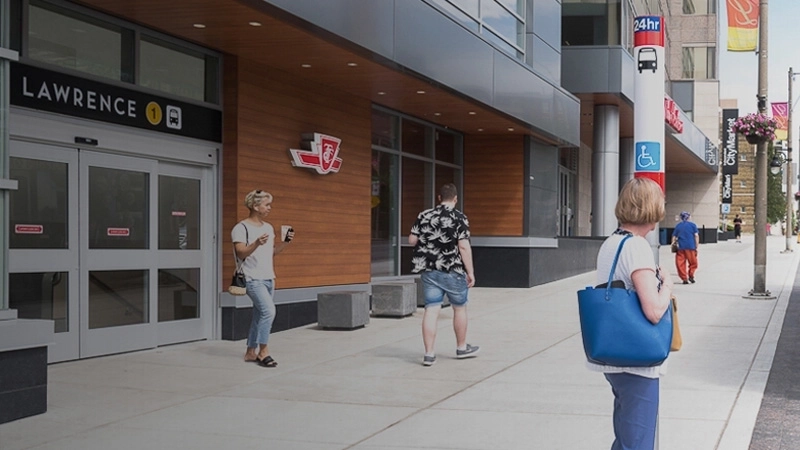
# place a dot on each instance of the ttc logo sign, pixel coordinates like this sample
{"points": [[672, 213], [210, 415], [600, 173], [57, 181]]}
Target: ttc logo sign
{"points": [[320, 152], [648, 156]]}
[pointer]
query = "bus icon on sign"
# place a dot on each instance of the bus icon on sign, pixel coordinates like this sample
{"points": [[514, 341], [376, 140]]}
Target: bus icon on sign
{"points": [[174, 117], [647, 59]]}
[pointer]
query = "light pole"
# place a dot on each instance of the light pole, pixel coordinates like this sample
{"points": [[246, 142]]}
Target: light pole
{"points": [[789, 203], [760, 246]]}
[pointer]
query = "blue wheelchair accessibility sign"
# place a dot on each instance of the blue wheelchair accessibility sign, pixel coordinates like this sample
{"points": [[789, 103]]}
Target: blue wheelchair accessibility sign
{"points": [[648, 156]]}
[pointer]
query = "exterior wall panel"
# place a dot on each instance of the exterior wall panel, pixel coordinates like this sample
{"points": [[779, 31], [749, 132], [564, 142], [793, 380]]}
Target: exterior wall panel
{"points": [[330, 213]]}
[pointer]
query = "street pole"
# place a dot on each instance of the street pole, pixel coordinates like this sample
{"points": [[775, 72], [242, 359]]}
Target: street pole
{"points": [[789, 202], [760, 247]]}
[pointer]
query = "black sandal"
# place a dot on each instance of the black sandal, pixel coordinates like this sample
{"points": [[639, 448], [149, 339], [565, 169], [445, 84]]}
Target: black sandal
{"points": [[267, 362]]}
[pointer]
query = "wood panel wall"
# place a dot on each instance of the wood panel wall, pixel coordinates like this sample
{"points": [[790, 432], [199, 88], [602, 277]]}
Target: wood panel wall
{"points": [[266, 111], [493, 184]]}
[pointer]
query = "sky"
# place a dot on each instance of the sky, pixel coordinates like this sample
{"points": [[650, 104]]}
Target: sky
{"points": [[738, 71]]}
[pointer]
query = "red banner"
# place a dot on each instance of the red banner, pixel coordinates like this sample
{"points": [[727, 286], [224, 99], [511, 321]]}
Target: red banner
{"points": [[780, 111], [742, 25]]}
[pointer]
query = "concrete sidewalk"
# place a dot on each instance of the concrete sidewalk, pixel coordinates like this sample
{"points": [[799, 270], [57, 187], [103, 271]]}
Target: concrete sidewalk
{"points": [[366, 389]]}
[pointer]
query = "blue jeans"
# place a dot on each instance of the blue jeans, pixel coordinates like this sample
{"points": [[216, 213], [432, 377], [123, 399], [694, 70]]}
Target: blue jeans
{"points": [[437, 283], [260, 292], [635, 411]]}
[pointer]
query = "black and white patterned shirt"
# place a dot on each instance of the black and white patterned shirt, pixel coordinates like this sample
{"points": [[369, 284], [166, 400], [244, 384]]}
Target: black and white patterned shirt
{"points": [[439, 229]]}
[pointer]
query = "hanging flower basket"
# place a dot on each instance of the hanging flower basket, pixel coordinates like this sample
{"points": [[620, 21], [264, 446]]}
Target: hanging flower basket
{"points": [[755, 139], [756, 127]]}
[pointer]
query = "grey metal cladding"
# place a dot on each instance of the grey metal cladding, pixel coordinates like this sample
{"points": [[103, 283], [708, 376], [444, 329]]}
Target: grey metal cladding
{"points": [[431, 44], [596, 69], [368, 23]]}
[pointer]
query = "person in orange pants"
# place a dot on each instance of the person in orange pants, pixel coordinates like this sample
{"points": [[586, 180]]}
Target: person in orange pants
{"points": [[687, 236]]}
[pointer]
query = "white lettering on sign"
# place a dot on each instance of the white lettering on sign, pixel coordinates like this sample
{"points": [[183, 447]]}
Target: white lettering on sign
{"points": [[68, 94], [122, 232], [28, 229]]}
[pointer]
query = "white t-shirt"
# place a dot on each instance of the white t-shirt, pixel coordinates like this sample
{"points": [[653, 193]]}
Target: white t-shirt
{"points": [[257, 266], [636, 254]]}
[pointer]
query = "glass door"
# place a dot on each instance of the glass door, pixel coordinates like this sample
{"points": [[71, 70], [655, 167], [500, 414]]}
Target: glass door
{"points": [[118, 253], [43, 241]]}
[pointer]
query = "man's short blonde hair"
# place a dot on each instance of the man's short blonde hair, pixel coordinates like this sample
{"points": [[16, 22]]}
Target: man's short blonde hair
{"points": [[254, 198], [640, 202]]}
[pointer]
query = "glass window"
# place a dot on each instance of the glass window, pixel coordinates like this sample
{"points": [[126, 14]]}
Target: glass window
{"points": [[503, 22], [39, 206], [177, 294], [385, 130], [385, 209], [447, 148], [41, 295], [415, 138], [178, 213], [699, 63], [67, 39], [118, 208], [417, 195], [169, 68], [595, 23], [700, 7], [118, 297]]}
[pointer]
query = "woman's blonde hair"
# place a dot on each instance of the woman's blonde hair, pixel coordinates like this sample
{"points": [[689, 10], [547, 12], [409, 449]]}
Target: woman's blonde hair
{"points": [[640, 202], [253, 198]]}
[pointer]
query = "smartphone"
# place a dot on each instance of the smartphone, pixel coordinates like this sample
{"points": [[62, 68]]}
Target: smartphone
{"points": [[660, 280]]}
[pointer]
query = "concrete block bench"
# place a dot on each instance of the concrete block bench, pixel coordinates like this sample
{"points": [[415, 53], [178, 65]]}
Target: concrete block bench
{"points": [[394, 299], [343, 309], [421, 295]]}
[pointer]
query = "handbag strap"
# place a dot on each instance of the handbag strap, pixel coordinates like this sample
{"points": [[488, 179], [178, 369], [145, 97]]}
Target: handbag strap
{"points": [[614, 265], [239, 262]]}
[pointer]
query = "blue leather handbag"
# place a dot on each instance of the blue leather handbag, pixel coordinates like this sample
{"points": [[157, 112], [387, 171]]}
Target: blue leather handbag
{"points": [[616, 331]]}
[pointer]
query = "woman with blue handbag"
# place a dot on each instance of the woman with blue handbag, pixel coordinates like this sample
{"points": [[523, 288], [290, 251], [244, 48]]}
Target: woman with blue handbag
{"points": [[639, 209]]}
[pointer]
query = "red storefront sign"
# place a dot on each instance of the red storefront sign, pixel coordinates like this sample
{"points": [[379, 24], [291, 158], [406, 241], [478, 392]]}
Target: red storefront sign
{"points": [[672, 115]]}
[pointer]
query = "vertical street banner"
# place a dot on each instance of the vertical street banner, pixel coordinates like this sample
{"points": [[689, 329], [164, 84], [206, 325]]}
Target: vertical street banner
{"points": [[730, 143], [780, 112], [727, 189], [742, 25], [648, 90]]}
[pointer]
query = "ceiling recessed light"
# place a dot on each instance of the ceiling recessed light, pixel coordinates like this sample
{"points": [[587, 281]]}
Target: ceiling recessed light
{"points": [[199, 25], [510, 129], [305, 66], [420, 92], [254, 24], [472, 113], [352, 64], [381, 93], [437, 114], [480, 129]]}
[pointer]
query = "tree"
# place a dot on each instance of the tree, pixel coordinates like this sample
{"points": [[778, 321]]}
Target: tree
{"points": [[776, 198]]}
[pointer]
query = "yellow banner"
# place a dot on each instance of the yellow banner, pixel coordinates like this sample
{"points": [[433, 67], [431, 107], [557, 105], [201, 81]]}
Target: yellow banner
{"points": [[742, 25]]}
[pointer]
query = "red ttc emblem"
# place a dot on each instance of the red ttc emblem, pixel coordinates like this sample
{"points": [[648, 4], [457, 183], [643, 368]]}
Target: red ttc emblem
{"points": [[320, 152]]}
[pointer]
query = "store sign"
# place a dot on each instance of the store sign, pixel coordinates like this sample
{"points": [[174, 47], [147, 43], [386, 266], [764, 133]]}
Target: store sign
{"points": [[730, 143], [672, 115], [46, 90], [727, 188], [319, 152], [711, 153], [648, 87]]}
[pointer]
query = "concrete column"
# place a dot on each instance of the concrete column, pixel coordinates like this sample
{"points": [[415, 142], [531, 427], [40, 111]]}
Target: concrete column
{"points": [[605, 169]]}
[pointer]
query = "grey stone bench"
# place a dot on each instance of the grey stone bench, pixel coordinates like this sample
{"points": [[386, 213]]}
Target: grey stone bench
{"points": [[394, 299], [343, 309], [421, 295]]}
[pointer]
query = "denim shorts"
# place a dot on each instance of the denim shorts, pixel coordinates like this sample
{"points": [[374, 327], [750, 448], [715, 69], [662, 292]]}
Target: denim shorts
{"points": [[437, 283]]}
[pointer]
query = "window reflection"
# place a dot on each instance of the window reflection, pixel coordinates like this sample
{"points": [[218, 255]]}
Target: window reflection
{"points": [[39, 206], [171, 69], [118, 297], [118, 208], [384, 213], [178, 213], [41, 295], [177, 294]]}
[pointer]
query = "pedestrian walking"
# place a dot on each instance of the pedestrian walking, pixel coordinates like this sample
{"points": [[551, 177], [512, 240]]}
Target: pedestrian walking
{"points": [[639, 208], [443, 258], [254, 244], [687, 236], [737, 228]]}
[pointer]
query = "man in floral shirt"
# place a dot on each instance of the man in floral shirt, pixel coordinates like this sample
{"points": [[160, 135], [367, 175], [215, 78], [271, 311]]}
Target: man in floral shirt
{"points": [[443, 257]]}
